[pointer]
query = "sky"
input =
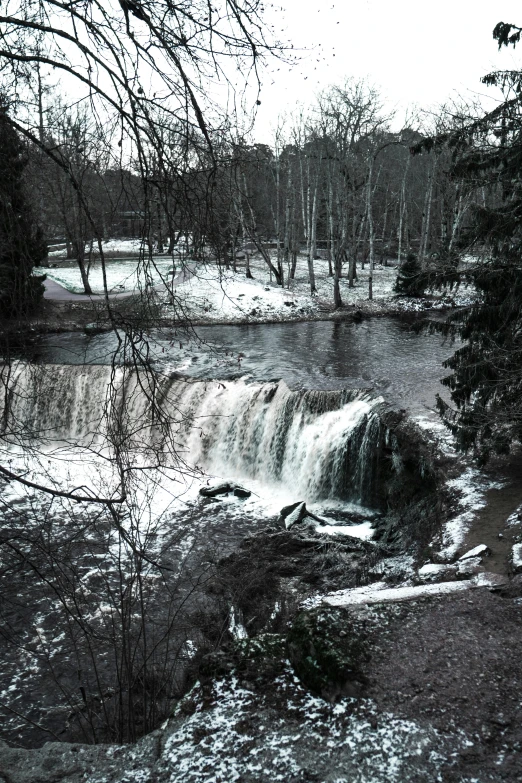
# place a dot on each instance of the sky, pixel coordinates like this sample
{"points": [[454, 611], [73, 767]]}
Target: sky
{"points": [[415, 52]]}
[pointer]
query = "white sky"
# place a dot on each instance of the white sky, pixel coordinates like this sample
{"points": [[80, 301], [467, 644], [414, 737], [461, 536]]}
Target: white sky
{"points": [[415, 52]]}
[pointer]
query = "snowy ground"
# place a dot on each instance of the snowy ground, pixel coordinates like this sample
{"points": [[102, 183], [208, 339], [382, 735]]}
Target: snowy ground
{"points": [[217, 294]]}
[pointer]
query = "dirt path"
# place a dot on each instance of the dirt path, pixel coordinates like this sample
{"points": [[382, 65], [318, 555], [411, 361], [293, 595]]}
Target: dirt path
{"points": [[490, 526], [453, 663]]}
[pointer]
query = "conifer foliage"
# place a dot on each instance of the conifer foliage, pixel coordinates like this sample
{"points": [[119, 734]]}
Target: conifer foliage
{"points": [[486, 384], [21, 243], [410, 278]]}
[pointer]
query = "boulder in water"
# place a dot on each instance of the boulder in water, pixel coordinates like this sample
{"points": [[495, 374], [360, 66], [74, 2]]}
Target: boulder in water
{"points": [[293, 514], [241, 492], [223, 489], [217, 489], [297, 512]]}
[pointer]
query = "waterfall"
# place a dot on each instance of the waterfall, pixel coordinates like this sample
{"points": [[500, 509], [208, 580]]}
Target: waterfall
{"points": [[322, 444]]}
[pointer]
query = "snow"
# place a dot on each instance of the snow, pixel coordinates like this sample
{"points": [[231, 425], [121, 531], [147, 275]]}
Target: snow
{"points": [[122, 276], [219, 294], [378, 592], [516, 558], [364, 531], [479, 551], [431, 572], [464, 297], [471, 487], [130, 246], [239, 734]]}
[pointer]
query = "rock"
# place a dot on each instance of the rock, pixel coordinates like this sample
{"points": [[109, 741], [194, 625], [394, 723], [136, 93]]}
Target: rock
{"points": [[470, 566], [516, 558], [328, 650], [394, 569], [286, 510], [93, 328], [479, 551], [223, 489], [297, 512], [295, 516], [436, 572], [493, 581], [217, 489], [241, 492]]}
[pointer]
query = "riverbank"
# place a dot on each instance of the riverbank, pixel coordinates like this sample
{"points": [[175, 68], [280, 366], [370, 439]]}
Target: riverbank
{"points": [[204, 293]]}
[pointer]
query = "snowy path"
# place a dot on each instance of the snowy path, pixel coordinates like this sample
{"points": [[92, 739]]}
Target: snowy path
{"points": [[58, 293]]}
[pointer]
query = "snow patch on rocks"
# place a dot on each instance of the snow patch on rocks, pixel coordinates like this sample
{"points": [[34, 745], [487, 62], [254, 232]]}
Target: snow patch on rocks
{"points": [[437, 572], [479, 551], [379, 592], [395, 568], [236, 734], [516, 558]]}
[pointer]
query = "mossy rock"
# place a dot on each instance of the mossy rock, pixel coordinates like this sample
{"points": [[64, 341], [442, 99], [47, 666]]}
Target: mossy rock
{"points": [[256, 659], [327, 648], [264, 645]]}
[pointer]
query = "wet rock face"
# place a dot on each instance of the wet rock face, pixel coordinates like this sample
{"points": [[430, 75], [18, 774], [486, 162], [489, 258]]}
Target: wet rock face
{"points": [[327, 649]]}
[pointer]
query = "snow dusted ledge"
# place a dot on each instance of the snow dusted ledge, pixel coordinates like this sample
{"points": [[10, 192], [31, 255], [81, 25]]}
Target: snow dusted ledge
{"points": [[379, 591]]}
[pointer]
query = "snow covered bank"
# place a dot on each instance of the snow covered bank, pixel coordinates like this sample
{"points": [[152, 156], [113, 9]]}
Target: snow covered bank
{"points": [[217, 294]]}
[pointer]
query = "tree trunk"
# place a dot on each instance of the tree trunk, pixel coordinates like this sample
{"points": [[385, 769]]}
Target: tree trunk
{"points": [[371, 236], [79, 247], [286, 240], [331, 231], [402, 210], [426, 215], [311, 243]]}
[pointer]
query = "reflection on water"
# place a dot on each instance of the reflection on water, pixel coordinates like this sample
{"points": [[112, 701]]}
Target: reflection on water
{"points": [[385, 354]]}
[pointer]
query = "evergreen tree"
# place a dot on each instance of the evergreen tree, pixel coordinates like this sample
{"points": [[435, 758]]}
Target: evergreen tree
{"points": [[486, 384], [21, 243], [410, 278]]}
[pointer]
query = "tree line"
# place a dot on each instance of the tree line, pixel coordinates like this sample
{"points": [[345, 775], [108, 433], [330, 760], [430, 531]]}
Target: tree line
{"points": [[337, 183]]}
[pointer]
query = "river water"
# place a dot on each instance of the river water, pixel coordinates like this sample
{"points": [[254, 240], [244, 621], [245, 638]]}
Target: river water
{"points": [[390, 356]]}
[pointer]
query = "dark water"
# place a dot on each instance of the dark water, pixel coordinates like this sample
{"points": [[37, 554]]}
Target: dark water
{"points": [[389, 355]]}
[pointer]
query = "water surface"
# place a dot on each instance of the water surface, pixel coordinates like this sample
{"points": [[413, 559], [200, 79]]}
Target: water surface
{"points": [[389, 355]]}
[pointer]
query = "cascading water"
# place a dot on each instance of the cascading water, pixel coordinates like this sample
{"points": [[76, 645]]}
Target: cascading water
{"points": [[321, 444]]}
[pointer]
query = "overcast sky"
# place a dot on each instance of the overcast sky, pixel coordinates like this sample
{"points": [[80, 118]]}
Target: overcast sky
{"points": [[416, 52]]}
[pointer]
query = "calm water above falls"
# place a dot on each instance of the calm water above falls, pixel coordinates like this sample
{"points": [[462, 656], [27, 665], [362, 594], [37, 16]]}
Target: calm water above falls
{"points": [[383, 354]]}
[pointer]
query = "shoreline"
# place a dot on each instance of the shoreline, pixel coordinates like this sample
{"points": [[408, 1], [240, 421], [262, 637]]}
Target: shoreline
{"points": [[61, 317]]}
